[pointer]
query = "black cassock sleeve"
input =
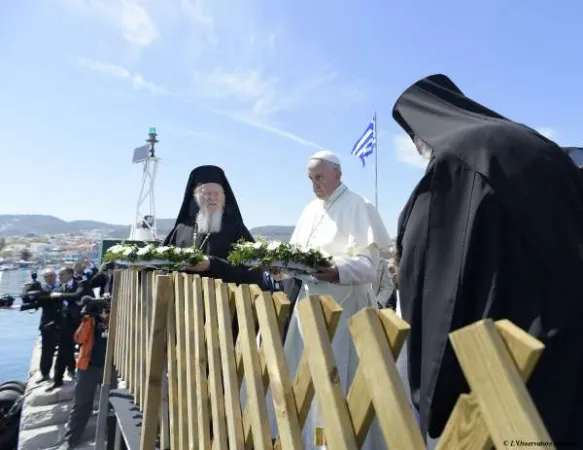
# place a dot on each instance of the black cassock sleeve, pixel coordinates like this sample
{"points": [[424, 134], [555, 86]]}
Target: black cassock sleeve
{"points": [[224, 270], [447, 279]]}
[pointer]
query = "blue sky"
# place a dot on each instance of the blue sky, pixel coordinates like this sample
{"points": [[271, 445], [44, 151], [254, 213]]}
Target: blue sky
{"points": [[256, 87]]}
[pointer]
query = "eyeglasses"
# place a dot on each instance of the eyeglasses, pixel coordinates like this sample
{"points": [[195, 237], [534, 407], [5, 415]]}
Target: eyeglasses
{"points": [[210, 194]]}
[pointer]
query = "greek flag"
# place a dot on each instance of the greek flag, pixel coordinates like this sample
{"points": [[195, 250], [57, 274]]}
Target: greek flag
{"points": [[367, 143]]}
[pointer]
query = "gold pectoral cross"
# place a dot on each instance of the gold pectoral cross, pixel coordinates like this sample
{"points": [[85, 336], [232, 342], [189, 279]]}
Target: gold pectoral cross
{"points": [[202, 243]]}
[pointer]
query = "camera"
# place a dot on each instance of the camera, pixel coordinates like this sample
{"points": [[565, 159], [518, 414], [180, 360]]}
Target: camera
{"points": [[34, 284], [33, 299], [96, 306]]}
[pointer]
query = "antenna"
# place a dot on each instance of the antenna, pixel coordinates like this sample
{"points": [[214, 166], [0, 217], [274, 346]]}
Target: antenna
{"points": [[144, 226]]}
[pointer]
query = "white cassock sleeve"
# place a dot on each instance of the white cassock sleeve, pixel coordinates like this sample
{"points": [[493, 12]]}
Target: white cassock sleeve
{"points": [[359, 269]]}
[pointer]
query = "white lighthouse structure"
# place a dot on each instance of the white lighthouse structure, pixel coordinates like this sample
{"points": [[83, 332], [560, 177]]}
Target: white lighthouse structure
{"points": [[144, 226]]}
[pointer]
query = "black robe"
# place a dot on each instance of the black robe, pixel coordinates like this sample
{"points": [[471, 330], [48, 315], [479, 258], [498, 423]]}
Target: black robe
{"points": [[218, 245], [217, 248], [493, 230]]}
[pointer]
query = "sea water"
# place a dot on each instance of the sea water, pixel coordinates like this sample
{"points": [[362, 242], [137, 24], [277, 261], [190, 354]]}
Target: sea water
{"points": [[18, 330]]}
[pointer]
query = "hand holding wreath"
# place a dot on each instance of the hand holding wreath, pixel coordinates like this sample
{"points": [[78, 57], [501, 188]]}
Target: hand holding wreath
{"points": [[327, 274], [202, 266], [283, 259]]}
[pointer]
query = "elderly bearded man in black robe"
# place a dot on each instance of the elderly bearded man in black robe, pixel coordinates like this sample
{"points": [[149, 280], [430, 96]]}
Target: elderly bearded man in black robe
{"points": [[493, 230], [210, 220]]}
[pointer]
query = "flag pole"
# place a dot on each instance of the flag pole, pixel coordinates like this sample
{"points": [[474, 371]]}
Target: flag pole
{"points": [[376, 163]]}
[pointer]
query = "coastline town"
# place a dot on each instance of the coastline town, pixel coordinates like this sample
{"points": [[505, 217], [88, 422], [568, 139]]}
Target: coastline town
{"points": [[34, 251]]}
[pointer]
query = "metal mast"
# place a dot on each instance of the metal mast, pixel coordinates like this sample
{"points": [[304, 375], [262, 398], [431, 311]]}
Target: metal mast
{"points": [[144, 226]]}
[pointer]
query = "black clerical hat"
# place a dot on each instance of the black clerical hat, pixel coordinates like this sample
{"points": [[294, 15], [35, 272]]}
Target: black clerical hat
{"points": [[202, 175]]}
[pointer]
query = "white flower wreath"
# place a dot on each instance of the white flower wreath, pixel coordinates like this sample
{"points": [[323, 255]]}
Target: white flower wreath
{"points": [[152, 255], [283, 256]]}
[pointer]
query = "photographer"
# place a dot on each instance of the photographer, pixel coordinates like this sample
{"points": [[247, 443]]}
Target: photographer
{"points": [[92, 336], [104, 279], [49, 320], [34, 285], [69, 295]]}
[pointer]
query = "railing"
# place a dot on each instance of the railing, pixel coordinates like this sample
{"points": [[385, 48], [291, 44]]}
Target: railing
{"points": [[184, 321]]}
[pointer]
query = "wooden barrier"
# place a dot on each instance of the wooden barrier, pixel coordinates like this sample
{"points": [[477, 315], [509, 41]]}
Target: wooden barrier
{"points": [[186, 321]]}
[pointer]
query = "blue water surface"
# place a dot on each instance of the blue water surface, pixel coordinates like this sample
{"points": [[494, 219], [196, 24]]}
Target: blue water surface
{"points": [[18, 330]]}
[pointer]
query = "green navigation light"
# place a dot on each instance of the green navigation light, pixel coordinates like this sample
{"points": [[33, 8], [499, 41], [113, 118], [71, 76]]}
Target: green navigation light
{"points": [[152, 130]]}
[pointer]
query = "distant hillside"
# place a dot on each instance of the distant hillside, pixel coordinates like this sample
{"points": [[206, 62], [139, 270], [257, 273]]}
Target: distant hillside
{"points": [[273, 232], [21, 225]]}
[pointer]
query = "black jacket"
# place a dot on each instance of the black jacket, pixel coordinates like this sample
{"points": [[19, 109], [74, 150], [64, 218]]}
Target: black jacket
{"points": [[71, 301], [100, 280]]}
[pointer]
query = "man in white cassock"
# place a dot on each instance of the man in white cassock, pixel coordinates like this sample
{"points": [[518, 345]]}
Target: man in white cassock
{"points": [[345, 226]]}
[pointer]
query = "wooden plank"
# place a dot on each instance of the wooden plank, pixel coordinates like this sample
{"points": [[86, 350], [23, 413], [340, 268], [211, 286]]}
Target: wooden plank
{"points": [[136, 346], [131, 331], [172, 369], [359, 398], [142, 330], [231, 385], [303, 384], [465, 427], [144, 335], [190, 362], [179, 310], [524, 349], [385, 387], [108, 364], [164, 419], [126, 304], [164, 293], [504, 402], [253, 381], [282, 307], [214, 367], [329, 392], [284, 402], [123, 323], [118, 298], [202, 395]]}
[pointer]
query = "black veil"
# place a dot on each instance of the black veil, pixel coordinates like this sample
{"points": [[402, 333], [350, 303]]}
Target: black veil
{"points": [[434, 107]]}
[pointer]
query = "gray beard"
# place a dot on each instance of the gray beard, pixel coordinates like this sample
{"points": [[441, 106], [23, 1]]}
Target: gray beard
{"points": [[209, 222]]}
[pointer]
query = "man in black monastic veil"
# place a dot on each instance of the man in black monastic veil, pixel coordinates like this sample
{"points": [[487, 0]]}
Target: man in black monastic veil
{"points": [[210, 220], [493, 230]]}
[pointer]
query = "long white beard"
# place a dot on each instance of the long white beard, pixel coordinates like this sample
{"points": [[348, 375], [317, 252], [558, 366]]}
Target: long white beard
{"points": [[209, 222]]}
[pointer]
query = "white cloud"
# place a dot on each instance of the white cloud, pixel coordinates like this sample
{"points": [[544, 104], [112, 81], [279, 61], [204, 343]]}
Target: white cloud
{"points": [[200, 18], [247, 120], [104, 67], [261, 95], [238, 62], [129, 17], [240, 85], [547, 132], [406, 152], [137, 80]]}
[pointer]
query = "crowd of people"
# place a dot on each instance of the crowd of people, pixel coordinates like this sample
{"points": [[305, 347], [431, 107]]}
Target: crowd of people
{"points": [[494, 229], [69, 326]]}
